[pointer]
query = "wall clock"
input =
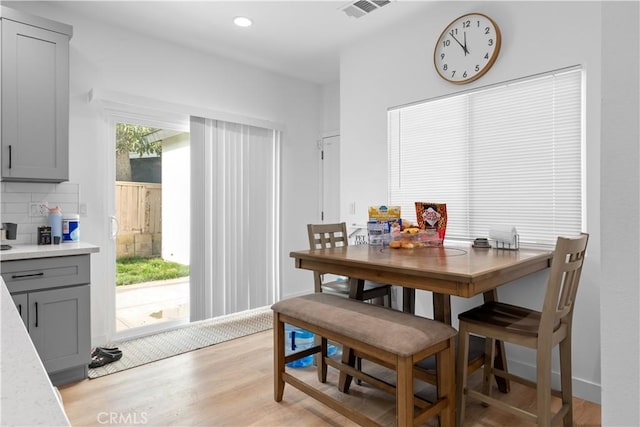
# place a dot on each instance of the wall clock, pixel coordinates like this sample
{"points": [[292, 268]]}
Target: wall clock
{"points": [[467, 48]]}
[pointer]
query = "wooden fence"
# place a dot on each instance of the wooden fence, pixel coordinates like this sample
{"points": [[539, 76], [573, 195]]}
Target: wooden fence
{"points": [[139, 215]]}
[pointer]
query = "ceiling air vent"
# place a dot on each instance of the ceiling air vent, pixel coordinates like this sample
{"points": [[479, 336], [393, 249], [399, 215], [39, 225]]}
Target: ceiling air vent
{"points": [[360, 8]]}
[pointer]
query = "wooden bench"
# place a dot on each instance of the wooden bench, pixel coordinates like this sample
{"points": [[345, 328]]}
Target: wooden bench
{"points": [[399, 340]]}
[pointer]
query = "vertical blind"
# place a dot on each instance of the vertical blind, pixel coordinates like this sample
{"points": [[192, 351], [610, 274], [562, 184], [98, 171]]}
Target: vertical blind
{"points": [[235, 250], [510, 154]]}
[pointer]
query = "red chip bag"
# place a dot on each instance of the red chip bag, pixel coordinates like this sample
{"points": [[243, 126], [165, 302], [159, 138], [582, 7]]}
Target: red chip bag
{"points": [[432, 216]]}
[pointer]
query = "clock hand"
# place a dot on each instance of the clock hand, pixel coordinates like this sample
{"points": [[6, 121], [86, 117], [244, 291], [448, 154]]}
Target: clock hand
{"points": [[466, 51], [461, 45]]}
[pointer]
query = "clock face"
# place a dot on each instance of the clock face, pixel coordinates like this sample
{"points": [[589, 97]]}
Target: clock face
{"points": [[467, 48]]}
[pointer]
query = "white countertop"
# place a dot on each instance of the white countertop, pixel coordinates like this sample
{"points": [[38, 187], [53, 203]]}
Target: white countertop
{"points": [[20, 251], [27, 396]]}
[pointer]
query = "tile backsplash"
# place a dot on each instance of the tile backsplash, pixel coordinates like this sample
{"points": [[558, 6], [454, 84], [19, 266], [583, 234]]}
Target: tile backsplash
{"points": [[16, 198]]}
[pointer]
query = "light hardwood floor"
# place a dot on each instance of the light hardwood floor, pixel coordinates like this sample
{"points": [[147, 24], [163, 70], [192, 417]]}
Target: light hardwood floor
{"points": [[231, 384]]}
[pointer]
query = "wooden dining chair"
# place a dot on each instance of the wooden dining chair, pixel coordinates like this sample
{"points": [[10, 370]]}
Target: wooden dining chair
{"points": [[538, 330], [332, 236]]}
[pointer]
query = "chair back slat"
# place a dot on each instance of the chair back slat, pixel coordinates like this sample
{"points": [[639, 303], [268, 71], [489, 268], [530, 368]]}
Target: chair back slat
{"points": [[322, 236], [564, 278], [570, 284]]}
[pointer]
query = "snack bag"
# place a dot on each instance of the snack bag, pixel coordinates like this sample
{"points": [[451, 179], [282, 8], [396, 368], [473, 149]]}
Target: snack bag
{"points": [[432, 217]]}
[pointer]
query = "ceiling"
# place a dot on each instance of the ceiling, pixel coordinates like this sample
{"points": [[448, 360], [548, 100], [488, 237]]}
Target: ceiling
{"points": [[299, 38]]}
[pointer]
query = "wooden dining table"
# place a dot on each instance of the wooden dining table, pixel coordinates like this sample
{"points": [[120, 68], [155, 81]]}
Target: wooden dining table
{"points": [[458, 270]]}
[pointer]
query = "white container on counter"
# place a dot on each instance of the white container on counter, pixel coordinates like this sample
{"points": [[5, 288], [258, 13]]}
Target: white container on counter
{"points": [[71, 228]]}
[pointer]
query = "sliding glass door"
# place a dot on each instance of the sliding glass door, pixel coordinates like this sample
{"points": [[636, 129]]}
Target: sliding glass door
{"points": [[214, 196]]}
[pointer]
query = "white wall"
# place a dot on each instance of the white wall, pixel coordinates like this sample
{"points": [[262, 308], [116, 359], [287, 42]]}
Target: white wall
{"points": [[396, 67], [176, 208], [331, 108], [620, 210], [113, 59]]}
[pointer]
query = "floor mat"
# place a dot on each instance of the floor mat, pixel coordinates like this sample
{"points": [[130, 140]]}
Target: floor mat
{"points": [[148, 349]]}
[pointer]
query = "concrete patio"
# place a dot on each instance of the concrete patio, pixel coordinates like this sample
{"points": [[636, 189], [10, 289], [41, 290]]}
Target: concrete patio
{"points": [[152, 302]]}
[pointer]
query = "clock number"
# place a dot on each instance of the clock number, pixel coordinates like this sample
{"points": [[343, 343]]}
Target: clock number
{"points": [[466, 24], [487, 30], [442, 56], [446, 67], [486, 55], [464, 74], [446, 43], [453, 73], [477, 68], [490, 42]]}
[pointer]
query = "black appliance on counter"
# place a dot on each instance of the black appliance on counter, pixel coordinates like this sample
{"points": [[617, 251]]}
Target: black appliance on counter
{"points": [[9, 231]]}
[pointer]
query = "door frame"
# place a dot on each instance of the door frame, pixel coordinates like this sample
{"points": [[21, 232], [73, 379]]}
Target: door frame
{"points": [[116, 106], [126, 113], [322, 143]]}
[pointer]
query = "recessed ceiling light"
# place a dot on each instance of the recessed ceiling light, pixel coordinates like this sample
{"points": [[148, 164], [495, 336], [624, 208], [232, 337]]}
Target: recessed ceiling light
{"points": [[242, 21]]}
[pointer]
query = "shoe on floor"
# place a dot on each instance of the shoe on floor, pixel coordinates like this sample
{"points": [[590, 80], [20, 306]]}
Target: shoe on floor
{"points": [[103, 357], [107, 349]]}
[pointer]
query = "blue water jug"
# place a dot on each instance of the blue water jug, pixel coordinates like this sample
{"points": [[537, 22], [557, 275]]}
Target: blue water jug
{"points": [[298, 339]]}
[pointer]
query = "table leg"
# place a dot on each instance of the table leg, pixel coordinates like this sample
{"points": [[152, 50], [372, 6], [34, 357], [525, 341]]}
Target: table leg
{"points": [[442, 308], [356, 288], [500, 361], [409, 300]]}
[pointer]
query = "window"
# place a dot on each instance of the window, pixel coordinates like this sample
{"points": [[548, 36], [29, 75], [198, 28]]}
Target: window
{"points": [[508, 154]]}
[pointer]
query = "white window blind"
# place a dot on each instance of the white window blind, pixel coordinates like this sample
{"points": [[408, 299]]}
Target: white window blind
{"points": [[236, 199], [510, 154]]}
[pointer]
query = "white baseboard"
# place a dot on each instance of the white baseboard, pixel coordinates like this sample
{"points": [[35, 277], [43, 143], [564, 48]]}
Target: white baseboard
{"points": [[581, 388]]}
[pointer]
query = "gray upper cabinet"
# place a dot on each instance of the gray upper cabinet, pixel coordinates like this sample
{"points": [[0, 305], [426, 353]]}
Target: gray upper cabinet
{"points": [[35, 98]]}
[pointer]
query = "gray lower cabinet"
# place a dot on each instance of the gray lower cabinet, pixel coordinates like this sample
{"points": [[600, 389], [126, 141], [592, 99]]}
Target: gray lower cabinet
{"points": [[53, 297], [22, 304]]}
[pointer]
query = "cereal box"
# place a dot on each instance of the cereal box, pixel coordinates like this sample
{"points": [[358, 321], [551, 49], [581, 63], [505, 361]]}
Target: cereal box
{"points": [[383, 222]]}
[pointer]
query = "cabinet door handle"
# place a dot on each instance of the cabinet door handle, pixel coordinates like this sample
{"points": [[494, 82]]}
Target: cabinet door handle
{"points": [[36, 314], [22, 276], [9, 156]]}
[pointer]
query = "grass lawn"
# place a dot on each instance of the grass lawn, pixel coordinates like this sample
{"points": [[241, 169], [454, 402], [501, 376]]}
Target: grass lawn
{"points": [[140, 270]]}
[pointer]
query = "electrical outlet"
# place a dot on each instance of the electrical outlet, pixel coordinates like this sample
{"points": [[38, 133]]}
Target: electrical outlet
{"points": [[38, 209]]}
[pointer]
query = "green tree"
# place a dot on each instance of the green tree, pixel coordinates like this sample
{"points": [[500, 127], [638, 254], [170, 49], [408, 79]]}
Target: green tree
{"points": [[133, 139]]}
